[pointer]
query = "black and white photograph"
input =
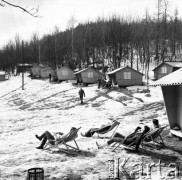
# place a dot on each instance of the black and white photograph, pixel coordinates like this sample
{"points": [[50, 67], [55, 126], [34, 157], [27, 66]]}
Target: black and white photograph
{"points": [[90, 89]]}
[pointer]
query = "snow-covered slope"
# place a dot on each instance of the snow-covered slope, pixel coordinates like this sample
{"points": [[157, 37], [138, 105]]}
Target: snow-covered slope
{"points": [[56, 107]]}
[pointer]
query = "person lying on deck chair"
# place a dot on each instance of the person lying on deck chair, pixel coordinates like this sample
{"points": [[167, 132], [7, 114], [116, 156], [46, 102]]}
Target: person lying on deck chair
{"points": [[92, 131], [134, 137], [58, 136]]}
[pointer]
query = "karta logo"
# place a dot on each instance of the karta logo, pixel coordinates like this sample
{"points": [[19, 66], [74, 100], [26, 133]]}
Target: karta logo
{"points": [[117, 170]]}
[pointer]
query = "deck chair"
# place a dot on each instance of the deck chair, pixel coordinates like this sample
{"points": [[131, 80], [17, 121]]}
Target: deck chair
{"points": [[71, 136], [135, 145], [107, 129], [154, 139], [118, 145], [129, 146]]}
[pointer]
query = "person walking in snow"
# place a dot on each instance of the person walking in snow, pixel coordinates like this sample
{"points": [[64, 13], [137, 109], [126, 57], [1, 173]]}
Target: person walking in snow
{"points": [[81, 94]]}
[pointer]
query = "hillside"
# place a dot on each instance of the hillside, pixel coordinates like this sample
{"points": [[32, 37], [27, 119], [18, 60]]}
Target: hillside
{"points": [[56, 107]]}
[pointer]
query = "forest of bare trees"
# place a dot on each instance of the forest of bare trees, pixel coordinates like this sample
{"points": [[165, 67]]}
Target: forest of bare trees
{"points": [[112, 41]]}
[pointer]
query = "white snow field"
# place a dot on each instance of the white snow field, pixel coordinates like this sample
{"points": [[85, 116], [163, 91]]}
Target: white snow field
{"points": [[56, 107]]}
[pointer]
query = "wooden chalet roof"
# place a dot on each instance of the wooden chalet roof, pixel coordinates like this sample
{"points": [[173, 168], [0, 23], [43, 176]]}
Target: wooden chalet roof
{"points": [[64, 67], [171, 63], [85, 70], [2, 72], [119, 69], [174, 78], [116, 70]]}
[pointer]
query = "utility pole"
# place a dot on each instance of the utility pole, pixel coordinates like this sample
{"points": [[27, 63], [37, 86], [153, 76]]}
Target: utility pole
{"points": [[72, 22], [56, 61], [39, 52], [72, 42], [22, 65]]}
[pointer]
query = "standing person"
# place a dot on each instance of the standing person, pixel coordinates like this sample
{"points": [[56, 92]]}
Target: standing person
{"points": [[50, 75], [81, 94], [99, 83], [109, 83]]}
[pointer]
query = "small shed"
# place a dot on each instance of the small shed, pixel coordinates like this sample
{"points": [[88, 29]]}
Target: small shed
{"points": [[65, 73], [45, 71], [126, 76], [35, 70], [88, 75], [171, 86], [2, 75], [166, 68]]}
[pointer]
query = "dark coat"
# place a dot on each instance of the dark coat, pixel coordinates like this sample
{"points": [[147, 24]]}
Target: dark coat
{"points": [[81, 93]]}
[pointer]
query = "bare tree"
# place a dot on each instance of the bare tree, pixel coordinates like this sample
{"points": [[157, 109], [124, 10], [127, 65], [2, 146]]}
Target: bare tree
{"points": [[157, 31], [71, 24], [31, 11]]}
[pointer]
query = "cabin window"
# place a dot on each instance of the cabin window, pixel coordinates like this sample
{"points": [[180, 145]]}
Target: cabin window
{"points": [[64, 73], [90, 74], [164, 70], [127, 75]]}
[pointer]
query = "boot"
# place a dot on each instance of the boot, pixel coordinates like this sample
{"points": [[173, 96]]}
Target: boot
{"points": [[42, 144]]}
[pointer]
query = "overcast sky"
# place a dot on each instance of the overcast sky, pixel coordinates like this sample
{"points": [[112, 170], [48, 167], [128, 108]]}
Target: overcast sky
{"points": [[58, 12]]}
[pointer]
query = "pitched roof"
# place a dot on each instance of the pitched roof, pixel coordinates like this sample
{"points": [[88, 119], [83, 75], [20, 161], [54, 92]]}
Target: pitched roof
{"points": [[171, 63], [175, 64], [81, 71], [119, 69], [2, 72], [116, 70], [85, 70], [174, 78]]}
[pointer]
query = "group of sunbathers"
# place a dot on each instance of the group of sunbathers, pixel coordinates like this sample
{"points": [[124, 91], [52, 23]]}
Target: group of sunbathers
{"points": [[134, 137]]}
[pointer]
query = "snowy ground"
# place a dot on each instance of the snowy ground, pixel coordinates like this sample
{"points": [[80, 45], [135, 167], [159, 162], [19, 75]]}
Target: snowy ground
{"points": [[55, 107]]}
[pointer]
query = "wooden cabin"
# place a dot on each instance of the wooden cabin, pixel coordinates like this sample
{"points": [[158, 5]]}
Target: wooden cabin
{"points": [[45, 71], [65, 73], [2, 75], [171, 86], [88, 76], [35, 70], [126, 76], [166, 68]]}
